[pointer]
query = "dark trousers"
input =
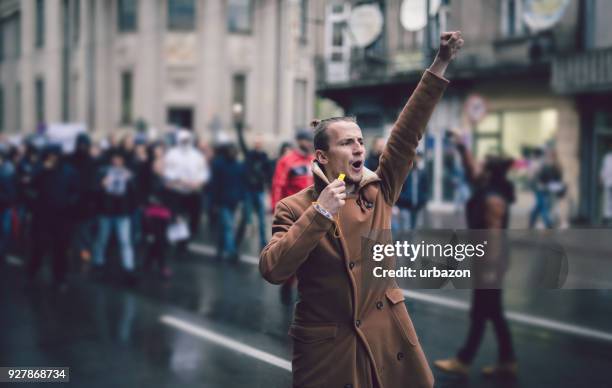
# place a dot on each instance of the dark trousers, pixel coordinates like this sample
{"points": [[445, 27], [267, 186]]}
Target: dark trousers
{"points": [[189, 206], [157, 242], [51, 235], [487, 305]]}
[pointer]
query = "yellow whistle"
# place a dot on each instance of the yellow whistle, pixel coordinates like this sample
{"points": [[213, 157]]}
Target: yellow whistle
{"points": [[341, 177]]}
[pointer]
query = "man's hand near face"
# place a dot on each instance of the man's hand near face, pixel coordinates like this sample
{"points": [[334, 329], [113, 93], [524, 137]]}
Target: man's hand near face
{"points": [[333, 197]]}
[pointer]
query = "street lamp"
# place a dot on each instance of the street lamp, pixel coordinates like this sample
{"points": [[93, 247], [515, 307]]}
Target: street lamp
{"points": [[238, 112]]}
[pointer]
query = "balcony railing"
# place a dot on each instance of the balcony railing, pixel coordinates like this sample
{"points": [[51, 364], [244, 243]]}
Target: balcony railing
{"points": [[590, 71]]}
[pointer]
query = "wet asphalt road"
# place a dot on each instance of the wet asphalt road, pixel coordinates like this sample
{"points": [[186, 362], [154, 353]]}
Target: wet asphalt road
{"points": [[216, 324]]}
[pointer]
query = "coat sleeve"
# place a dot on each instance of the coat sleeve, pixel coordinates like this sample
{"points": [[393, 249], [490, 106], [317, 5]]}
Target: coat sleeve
{"points": [[293, 238], [396, 159]]}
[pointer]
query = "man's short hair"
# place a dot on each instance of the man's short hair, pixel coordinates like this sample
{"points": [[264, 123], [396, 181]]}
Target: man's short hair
{"points": [[321, 137]]}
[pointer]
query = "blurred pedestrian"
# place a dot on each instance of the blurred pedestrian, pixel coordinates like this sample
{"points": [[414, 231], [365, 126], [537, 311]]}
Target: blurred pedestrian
{"points": [[488, 208], [8, 199], [227, 191], [605, 175], [186, 172], [27, 168], [86, 211], [117, 203], [292, 173], [413, 197], [141, 168], [156, 219], [256, 164], [548, 186], [378, 144], [56, 194], [283, 150]]}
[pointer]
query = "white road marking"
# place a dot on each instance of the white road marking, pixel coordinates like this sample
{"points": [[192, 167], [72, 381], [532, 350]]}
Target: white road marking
{"points": [[224, 341], [527, 319], [14, 260], [210, 250]]}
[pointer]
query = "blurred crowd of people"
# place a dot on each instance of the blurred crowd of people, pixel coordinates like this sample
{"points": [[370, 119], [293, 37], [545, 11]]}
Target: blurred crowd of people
{"points": [[152, 194], [147, 196]]}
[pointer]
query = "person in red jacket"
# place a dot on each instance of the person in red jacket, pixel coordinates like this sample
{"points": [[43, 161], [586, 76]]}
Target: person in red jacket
{"points": [[293, 173]]}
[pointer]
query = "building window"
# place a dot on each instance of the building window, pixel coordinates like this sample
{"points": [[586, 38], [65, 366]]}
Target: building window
{"points": [[39, 95], [76, 20], [1, 109], [18, 107], [299, 105], [337, 57], [1, 40], [239, 91], [338, 8], [18, 35], [127, 15], [338, 34], [512, 22], [303, 20], [240, 16], [181, 15], [126, 97], [39, 33]]}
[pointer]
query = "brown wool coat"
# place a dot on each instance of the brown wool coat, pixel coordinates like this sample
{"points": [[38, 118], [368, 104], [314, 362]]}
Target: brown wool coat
{"points": [[348, 330]]}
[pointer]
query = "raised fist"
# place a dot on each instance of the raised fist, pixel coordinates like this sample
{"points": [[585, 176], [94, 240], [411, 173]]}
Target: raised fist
{"points": [[450, 44]]}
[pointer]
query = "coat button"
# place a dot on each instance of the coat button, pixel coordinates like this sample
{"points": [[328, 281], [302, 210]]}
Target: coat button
{"points": [[379, 305], [358, 323], [400, 356], [351, 265], [348, 385]]}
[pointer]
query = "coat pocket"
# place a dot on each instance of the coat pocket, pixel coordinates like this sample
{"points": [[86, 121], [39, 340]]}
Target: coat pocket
{"points": [[313, 355], [312, 334], [400, 315]]}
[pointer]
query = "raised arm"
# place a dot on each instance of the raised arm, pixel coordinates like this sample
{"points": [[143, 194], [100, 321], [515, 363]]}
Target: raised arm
{"points": [[398, 155], [243, 146]]}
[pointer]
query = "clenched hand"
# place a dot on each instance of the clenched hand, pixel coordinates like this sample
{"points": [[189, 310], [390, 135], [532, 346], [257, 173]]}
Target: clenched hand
{"points": [[333, 197]]}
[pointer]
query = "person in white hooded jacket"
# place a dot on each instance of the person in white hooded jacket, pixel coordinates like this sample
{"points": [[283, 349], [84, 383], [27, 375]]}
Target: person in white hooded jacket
{"points": [[185, 173]]}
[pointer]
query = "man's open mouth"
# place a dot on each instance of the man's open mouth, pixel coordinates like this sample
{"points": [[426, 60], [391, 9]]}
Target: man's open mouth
{"points": [[357, 165]]}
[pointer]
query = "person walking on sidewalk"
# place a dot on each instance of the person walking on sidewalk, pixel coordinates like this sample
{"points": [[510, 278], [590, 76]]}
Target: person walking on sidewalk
{"points": [[488, 208], [348, 331]]}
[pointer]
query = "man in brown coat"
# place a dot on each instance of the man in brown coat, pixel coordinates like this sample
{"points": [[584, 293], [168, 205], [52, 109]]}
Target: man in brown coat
{"points": [[347, 331]]}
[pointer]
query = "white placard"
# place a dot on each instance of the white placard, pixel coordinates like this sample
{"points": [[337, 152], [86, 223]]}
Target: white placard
{"points": [[65, 134]]}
